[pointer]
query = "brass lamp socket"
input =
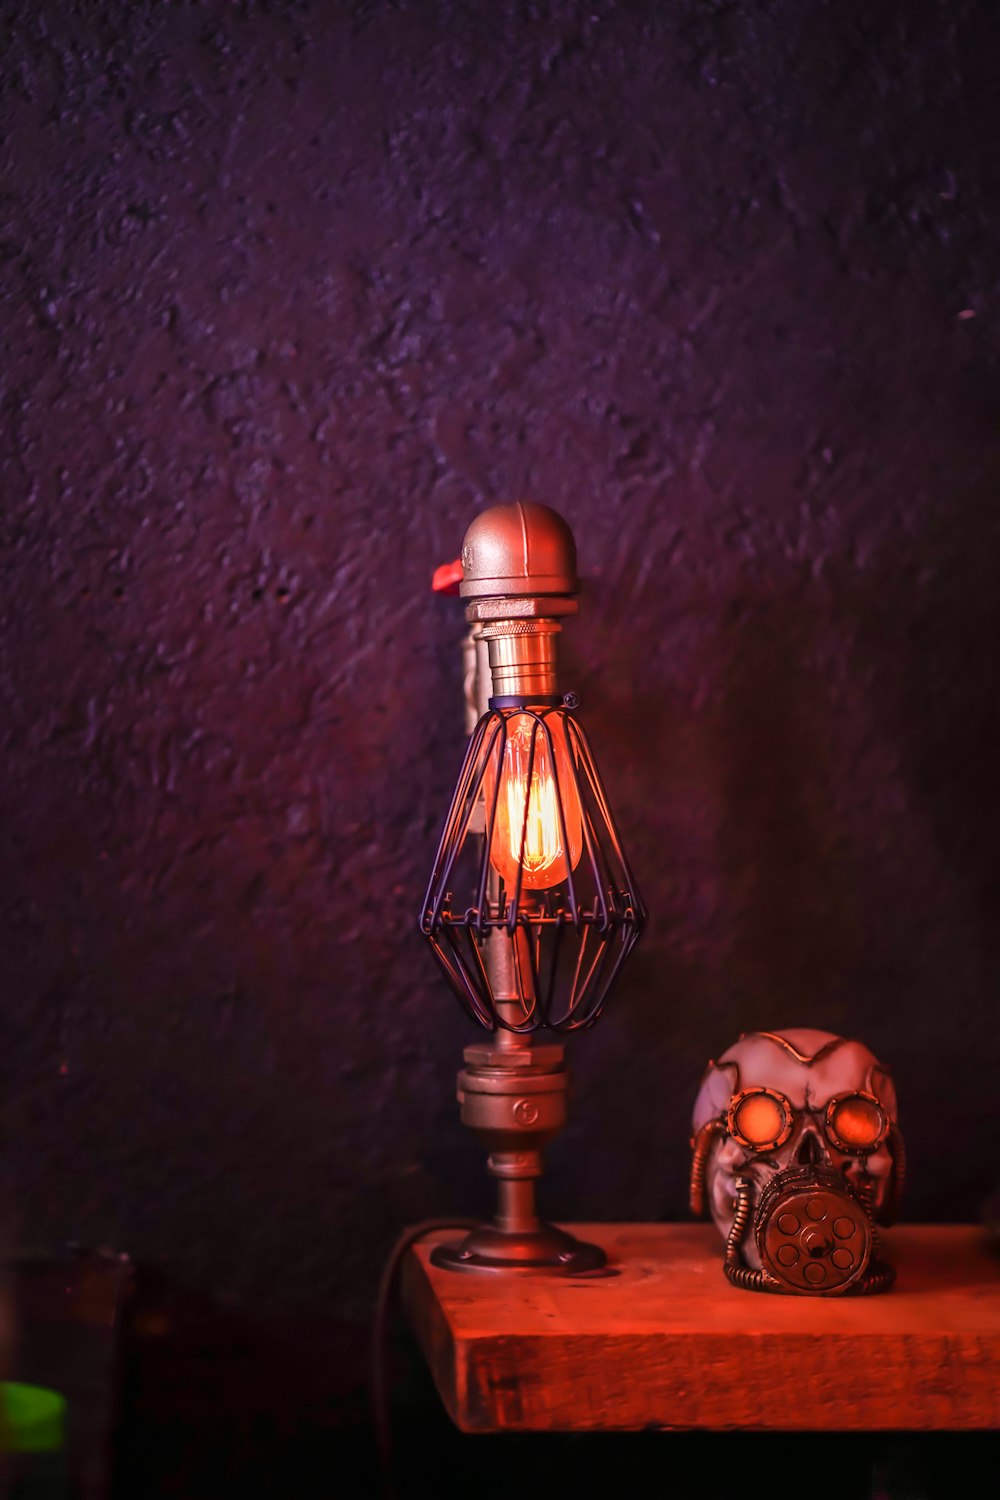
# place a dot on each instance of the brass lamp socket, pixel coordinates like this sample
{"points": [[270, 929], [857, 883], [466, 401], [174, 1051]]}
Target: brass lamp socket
{"points": [[522, 657]]}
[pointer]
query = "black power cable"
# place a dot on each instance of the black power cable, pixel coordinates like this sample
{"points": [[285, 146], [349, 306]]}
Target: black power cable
{"points": [[379, 1393]]}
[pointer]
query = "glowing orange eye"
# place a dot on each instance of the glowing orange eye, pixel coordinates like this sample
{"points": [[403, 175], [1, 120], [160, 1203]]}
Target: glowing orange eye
{"points": [[760, 1119], [855, 1122]]}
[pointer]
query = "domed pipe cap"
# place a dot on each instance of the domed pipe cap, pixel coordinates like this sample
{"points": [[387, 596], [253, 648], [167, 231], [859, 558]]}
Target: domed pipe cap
{"points": [[518, 550]]}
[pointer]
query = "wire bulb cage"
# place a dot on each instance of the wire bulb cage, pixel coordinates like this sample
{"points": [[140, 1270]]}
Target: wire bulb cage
{"points": [[531, 909]]}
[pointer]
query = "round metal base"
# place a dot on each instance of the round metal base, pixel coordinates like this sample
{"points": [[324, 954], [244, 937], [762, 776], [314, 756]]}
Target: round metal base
{"points": [[546, 1251]]}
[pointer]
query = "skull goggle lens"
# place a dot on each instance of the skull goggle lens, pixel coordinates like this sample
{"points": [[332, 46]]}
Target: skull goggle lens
{"points": [[855, 1122], [760, 1119]]}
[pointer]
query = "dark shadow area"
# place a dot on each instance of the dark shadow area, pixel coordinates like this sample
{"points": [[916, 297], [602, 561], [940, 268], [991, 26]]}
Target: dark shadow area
{"points": [[925, 636], [797, 934], [216, 1403]]}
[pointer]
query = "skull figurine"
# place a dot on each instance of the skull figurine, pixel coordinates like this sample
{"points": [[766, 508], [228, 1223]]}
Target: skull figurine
{"points": [[796, 1148]]}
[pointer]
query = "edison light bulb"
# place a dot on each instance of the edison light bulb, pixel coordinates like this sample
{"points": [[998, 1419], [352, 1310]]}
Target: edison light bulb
{"points": [[545, 846]]}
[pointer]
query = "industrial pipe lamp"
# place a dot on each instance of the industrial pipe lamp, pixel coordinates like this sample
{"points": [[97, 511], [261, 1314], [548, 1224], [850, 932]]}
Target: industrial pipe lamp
{"points": [[531, 909]]}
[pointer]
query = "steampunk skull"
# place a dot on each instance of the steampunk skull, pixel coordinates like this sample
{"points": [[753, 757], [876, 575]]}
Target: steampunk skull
{"points": [[797, 1150]]}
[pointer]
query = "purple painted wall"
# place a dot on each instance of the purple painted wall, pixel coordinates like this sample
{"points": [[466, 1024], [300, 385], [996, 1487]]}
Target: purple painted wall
{"points": [[289, 293]]}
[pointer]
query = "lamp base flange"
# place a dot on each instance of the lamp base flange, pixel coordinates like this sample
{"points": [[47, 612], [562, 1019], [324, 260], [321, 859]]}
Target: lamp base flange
{"points": [[545, 1251]]}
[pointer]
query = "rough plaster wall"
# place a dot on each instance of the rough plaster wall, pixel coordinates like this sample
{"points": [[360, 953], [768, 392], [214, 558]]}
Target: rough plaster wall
{"points": [[291, 291]]}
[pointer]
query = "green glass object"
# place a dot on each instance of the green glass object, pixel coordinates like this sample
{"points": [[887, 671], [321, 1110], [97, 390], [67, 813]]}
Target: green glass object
{"points": [[32, 1418]]}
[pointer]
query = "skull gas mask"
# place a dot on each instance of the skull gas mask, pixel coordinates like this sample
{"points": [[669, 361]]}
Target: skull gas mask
{"points": [[796, 1153]]}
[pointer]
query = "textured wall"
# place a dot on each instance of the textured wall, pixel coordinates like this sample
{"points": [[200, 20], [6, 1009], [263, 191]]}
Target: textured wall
{"points": [[289, 293]]}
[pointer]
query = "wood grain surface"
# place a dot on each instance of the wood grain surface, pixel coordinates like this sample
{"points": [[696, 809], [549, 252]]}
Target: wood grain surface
{"points": [[665, 1341]]}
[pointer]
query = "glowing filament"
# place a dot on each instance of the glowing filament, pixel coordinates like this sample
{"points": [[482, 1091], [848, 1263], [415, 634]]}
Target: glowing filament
{"points": [[529, 833]]}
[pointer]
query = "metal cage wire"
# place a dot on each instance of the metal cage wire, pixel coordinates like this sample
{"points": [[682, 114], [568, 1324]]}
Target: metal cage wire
{"points": [[565, 945]]}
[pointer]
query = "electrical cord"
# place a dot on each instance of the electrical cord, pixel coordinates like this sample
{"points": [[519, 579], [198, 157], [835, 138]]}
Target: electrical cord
{"points": [[379, 1395]]}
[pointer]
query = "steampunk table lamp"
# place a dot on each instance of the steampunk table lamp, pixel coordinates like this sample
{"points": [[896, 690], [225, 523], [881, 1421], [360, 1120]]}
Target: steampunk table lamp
{"points": [[531, 908]]}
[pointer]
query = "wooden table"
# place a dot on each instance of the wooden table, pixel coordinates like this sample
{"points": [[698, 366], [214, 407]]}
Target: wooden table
{"points": [[665, 1342]]}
